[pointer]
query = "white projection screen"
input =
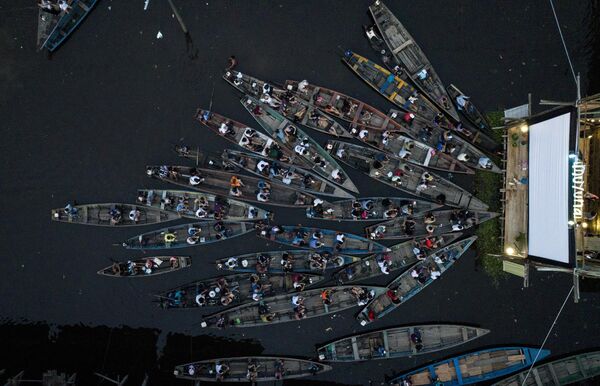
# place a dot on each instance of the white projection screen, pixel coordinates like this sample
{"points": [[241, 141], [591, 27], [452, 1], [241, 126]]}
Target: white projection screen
{"points": [[549, 189]]}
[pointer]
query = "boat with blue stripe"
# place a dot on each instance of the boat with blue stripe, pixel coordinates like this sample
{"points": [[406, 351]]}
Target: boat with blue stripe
{"points": [[55, 26]]}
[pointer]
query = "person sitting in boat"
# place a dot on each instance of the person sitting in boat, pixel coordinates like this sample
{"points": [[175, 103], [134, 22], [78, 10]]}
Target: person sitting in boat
{"points": [[395, 176], [357, 210], [393, 296], [337, 175], [326, 297], [299, 282], [221, 371], [315, 243], [485, 163], [266, 98], [301, 150], [383, 261], [379, 232], [279, 368], [299, 312], [363, 297], [316, 261], [409, 226], [463, 157], [149, 266], [434, 272], [425, 134], [318, 161], [417, 339], [408, 118], [226, 128], [132, 268], [263, 167], [227, 297], [263, 196], [287, 262], [429, 218], [340, 238], [252, 371], [115, 216], [236, 182], [64, 6], [70, 210], [391, 213], [201, 298], [134, 215], [422, 75]]}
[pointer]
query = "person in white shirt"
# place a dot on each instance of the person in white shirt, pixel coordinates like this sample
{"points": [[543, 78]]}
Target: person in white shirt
{"points": [[463, 157], [383, 266], [262, 165], [336, 175], [435, 273], [262, 197], [195, 180], [485, 163], [340, 238], [363, 134], [301, 150]]}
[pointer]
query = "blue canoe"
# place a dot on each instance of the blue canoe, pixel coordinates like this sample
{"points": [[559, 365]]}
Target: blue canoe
{"points": [[474, 367], [54, 29]]}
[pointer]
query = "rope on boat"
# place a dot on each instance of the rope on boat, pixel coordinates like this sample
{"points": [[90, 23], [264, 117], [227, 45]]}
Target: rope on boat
{"points": [[564, 44], [549, 331]]}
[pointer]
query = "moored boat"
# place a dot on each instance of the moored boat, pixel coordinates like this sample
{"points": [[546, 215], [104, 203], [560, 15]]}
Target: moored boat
{"points": [[112, 214], [431, 223], [147, 266], [189, 235], [469, 110], [234, 185], [201, 206], [234, 289], [475, 367], [413, 281], [288, 308], [285, 261], [291, 136], [401, 256], [321, 240], [284, 173], [285, 102], [56, 25], [391, 87], [565, 371], [413, 60], [405, 177], [371, 209], [399, 342], [249, 369]]}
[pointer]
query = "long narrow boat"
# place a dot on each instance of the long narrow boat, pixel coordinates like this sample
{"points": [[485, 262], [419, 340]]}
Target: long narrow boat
{"points": [[415, 152], [201, 206], [342, 106], [401, 256], [293, 176], [413, 281], [443, 140], [290, 106], [53, 31], [432, 223], [405, 177], [234, 289], [291, 136], [288, 308], [390, 86], [189, 235], [242, 135], [414, 62], [249, 369], [148, 266], [296, 261], [220, 182], [479, 366], [399, 342], [112, 215], [469, 110], [371, 209], [566, 371], [322, 240]]}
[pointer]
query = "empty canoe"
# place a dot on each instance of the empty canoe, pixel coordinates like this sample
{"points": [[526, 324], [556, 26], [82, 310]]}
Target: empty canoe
{"points": [[148, 266], [289, 307], [285, 261], [201, 206], [432, 223], [322, 240], [399, 342], [112, 214], [249, 369], [476, 367], [234, 289], [413, 281], [189, 235], [371, 209], [400, 257]]}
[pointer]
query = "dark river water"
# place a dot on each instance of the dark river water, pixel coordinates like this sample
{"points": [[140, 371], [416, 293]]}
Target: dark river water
{"points": [[83, 123]]}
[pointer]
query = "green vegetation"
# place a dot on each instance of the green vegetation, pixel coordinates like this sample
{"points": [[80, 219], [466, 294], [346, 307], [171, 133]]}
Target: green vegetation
{"points": [[495, 118]]}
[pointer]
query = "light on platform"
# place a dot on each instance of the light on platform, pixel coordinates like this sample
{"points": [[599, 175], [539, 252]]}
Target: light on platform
{"points": [[590, 136], [510, 251], [584, 225], [571, 223], [524, 129], [572, 156]]}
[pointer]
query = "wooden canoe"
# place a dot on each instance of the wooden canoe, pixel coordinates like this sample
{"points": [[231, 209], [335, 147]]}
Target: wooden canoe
{"points": [[445, 140], [234, 289], [475, 367], [285, 261], [405, 177], [443, 221], [401, 147], [201, 206], [405, 286], [321, 240], [315, 156], [189, 235], [371, 209], [401, 256], [218, 182], [280, 309], [391, 87], [112, 215], [342, 106], [264, 369], [148, 266], [242, 135], [289, 105], [399, 342], [55, 30], [407, 52], [566, 371], [284, 173], [470, 111]]}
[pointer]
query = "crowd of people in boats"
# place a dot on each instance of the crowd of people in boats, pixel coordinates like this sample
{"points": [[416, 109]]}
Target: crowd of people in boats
{"points": [[221, 370], [148, 267], [54, 7], [459, 220], [365, 209], [317, 261], [302, 238]]}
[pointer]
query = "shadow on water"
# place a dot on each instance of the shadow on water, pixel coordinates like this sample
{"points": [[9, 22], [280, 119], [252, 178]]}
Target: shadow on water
{"points": [[37, 347]]}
